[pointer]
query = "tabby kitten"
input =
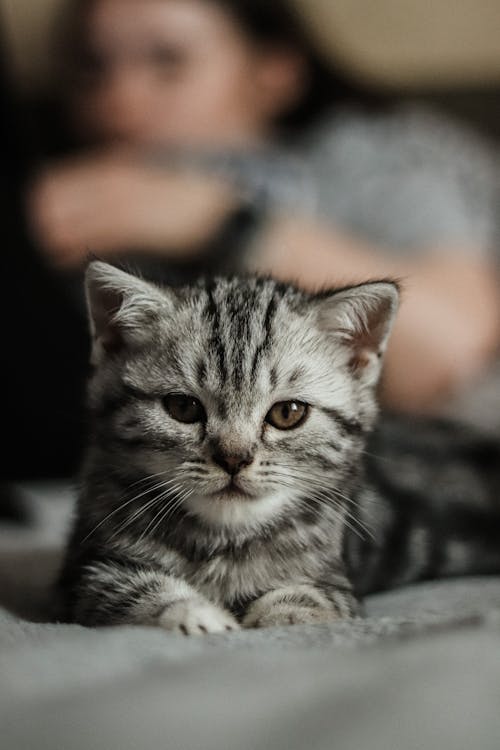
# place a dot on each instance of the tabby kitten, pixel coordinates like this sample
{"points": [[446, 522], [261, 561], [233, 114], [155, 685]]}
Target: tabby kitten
{"points": [[224, 484]]}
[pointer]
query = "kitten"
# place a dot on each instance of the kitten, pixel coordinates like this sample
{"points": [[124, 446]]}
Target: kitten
{"points": [[225, 482]]}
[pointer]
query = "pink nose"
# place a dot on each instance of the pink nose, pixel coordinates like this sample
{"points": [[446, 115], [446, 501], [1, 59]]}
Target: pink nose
{"points": [[232, 464]]}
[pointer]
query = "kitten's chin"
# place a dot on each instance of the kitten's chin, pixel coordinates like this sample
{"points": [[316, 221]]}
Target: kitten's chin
{"points": [[237, 509], [233, 492]]}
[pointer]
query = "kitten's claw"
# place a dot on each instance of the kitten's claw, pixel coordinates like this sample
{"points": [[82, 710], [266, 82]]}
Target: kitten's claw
{"points": [[196, 617], [288, 614]]}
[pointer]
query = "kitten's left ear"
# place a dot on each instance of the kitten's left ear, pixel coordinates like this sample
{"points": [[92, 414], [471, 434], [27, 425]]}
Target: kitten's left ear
{"points": [[122, 308], [361, 317]]}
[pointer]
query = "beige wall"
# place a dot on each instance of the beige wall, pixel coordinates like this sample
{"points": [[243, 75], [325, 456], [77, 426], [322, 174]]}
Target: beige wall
{"points": [[412, 42], [28, 24], [427, 43]]}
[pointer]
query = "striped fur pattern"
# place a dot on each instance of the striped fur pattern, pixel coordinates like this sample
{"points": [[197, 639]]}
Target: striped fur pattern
{"points": [[228, 520]]}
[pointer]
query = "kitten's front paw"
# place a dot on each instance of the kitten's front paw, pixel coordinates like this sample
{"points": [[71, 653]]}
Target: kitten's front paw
{"points": [[196, 617], [288, 614]]}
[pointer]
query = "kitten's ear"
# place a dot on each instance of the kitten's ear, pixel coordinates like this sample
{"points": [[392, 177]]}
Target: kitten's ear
{"points": [[121, 308], [361, 317]]}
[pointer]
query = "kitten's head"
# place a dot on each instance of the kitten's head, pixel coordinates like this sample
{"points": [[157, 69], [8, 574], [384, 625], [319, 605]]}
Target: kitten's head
{"points": [[243, 395]]}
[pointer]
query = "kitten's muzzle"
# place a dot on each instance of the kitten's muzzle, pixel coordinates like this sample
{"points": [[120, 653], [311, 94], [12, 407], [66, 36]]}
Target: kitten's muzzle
{"points": [[232, 465]]}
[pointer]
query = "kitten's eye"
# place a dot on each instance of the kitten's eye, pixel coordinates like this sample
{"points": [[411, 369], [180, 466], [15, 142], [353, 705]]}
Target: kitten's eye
{"points": [[286, 415], [184, 408]]}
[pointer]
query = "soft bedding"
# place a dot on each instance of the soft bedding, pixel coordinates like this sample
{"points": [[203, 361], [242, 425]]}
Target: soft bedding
{"points": [[421, 670]]}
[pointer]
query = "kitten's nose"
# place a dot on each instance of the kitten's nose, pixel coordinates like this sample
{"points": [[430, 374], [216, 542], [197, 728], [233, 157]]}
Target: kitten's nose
{"points": [[232, 464]]}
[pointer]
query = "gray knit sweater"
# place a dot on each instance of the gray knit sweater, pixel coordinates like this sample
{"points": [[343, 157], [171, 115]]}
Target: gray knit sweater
{"points": [[407, 180]]}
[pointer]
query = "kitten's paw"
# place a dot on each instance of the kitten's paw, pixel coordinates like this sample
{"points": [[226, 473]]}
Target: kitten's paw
{"points": [[196, 617], [288, 614]]}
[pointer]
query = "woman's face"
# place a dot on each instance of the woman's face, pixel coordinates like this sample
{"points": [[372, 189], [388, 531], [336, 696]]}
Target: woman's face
{"points": [[178, 72]]}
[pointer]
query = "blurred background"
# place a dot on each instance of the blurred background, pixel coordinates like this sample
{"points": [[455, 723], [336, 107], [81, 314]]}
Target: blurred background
{"points": [[323, 141], [442, 52]]}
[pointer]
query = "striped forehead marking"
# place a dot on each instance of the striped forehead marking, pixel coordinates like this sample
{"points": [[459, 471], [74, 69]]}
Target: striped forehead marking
{"points": [[237, 341]]}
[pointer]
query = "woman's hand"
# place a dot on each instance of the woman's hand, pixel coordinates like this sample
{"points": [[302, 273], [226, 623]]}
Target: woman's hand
{"points": [[110, 203]]}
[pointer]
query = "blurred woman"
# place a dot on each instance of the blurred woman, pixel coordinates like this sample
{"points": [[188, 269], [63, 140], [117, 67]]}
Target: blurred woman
{"points": [[213, 132]]}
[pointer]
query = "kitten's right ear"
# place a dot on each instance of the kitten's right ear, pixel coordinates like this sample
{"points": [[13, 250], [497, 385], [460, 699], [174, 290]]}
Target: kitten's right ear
{"points": [[361, 318], [121, 308]]}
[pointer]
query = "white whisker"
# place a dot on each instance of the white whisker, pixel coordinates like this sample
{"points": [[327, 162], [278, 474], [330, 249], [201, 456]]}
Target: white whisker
{"points": [[122, 506]]}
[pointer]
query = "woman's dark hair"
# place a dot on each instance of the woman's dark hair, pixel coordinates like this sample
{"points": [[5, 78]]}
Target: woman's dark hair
{"points": [[264, 23], [278, 22]]}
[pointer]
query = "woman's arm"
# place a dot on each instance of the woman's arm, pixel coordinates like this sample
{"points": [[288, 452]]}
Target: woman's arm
{"points": [[112, 203], [447, 328], [449, 323]]}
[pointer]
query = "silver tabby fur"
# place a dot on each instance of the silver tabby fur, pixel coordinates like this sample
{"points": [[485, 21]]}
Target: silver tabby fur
{"points": [[160, 537]]}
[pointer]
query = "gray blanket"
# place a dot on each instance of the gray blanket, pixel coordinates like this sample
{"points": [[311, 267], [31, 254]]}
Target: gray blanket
{"points": [[422, 670]]}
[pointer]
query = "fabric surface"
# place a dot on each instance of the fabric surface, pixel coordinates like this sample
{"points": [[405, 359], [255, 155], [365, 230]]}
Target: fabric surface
{"points": [[422, 670]]}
